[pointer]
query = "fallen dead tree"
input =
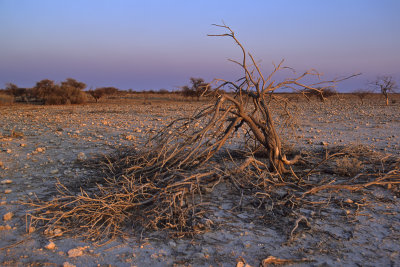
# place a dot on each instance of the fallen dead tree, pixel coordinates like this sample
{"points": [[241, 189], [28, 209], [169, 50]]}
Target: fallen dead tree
{"points": [[161, 186]]}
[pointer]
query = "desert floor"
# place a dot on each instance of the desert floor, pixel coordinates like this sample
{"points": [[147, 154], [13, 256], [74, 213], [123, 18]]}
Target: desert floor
{"points": [[42, 144]]}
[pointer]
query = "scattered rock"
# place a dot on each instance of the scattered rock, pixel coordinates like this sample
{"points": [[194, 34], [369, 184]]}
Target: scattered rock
{"points": [[324, 143], [40, 149], [57, 232], [81, 156], [129, 137], [349, 201], [5, 227], [50, 246], [7, 191], [67, 264], [242, 264], [75, 252], [8, 216], [8, 181]]}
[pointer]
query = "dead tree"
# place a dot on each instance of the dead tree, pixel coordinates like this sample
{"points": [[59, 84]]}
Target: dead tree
{"points": [[386, 85], [196, 139]]}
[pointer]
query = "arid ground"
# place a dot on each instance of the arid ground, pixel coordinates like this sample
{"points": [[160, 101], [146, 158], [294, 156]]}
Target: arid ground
{"points": [[40, 145]]}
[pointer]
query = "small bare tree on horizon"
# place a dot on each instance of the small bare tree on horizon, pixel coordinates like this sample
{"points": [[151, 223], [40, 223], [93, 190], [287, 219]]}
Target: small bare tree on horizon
{"points": [[386, 85]]}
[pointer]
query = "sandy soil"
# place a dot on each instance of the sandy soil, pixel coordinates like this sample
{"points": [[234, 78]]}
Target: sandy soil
{"points": [[39, 145]]}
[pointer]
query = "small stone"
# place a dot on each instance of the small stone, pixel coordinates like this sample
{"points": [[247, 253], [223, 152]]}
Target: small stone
{"points": [[6, 181], [57, 232], [324, 143], [129, 137], [23, 145], [67, 264], [31, 229], [349, 201], [54, 171], [8, 216], [75, 252], [81, 156], [5, 227], [1, 164], [7, 191], [50, 246], [40, 149]]}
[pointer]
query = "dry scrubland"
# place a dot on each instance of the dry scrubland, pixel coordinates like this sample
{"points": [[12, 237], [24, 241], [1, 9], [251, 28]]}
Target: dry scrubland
{"points": [[333, 227]]}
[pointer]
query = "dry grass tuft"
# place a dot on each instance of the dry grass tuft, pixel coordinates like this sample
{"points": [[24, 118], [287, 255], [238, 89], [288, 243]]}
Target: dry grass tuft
{"points": [[348, 166]]}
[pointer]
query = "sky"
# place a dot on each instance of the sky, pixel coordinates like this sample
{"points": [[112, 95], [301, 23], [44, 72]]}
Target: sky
{"points": [[159, 44]]}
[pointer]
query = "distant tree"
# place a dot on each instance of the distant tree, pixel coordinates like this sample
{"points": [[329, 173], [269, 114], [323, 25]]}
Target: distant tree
{"points": [[110, 90], [361, 94], [43, 89], [10, 88], [163, 91], [321, 93], [386, 85], [198, 88], [68, 92], [102, 91], [73, 83], [20, 94], [97, 93], [72, 91]]}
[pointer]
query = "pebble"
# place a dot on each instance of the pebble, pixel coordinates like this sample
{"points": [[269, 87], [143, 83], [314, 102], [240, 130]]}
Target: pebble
{"points": [[5, 227], [57, 232], [75, 252], [40, 149], [81, 156], [54, 171], [8, 181], [7, 191], [130, 137], [348, 201], [8, 216], [50, 246], [67, 264]]}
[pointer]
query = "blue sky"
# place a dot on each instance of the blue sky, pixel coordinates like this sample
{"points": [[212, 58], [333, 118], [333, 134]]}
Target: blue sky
{"points": [[156, 44]]}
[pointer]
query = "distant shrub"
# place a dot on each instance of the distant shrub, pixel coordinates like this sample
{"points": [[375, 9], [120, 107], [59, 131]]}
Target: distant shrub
{"points": [[197, 88], [102, 91], [322, 93], [163, 91], [362, 94], [68, 92], [6, 99]]}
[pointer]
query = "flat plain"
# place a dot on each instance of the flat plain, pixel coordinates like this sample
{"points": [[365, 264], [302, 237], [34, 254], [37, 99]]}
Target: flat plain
{"points": [[40, 145]]}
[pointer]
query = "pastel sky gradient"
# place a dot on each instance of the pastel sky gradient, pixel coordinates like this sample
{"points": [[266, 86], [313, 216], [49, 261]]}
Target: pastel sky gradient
{"points": [[156, 44]]}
